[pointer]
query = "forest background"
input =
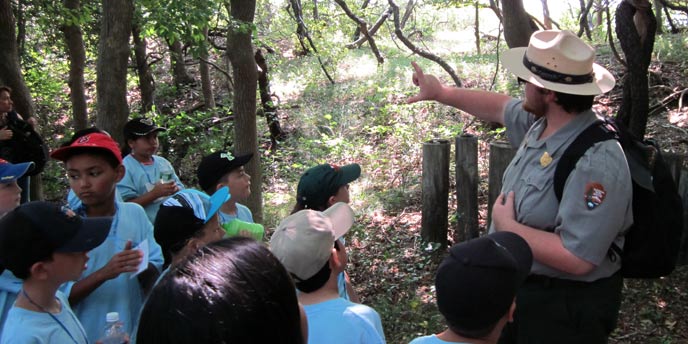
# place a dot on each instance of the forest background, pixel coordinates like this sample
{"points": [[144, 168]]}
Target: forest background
{"points": [[306, 82]]}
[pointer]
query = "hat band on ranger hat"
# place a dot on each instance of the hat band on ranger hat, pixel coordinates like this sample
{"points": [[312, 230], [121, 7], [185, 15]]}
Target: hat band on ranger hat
{"points": [[553, 76]]}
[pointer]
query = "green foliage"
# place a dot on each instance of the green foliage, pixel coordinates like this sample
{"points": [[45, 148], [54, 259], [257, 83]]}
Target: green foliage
{"points": [[671, 48], [180, 20]]}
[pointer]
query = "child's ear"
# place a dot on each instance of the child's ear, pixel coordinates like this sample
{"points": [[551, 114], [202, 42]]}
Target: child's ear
{"points": [[335, 262], [119, 171], [39, 271], [193, 244], [331, 201], [130, 143]]}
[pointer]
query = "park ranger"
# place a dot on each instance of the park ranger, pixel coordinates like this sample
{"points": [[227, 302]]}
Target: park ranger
{"points": [[573, 292]]}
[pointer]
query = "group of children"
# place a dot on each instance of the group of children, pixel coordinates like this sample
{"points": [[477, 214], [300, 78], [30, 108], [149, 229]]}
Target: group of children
{"points": [[65, 268]]}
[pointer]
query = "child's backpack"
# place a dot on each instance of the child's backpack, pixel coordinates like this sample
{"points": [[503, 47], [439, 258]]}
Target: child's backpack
{"points": [[652, 243]]}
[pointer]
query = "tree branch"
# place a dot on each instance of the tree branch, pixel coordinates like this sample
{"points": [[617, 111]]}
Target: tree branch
{"points": [[407, 13], [495, 8], [494, 77], [363, 26], [610, 37], [674, 7], [302, 30], [229, 77], [583, 19], [372, 31], [413, 48]]}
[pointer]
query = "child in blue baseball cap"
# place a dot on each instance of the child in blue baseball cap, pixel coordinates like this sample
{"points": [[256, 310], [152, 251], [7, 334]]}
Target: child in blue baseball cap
{"points": [[10, 192], [10, 198]]}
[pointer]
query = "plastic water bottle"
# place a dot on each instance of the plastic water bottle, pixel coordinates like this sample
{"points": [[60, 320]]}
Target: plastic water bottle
{"points": [[114, 330]]}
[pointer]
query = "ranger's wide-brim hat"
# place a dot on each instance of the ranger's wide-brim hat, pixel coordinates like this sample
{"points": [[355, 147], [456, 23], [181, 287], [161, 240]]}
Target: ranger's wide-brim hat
{"points": [[559, 61]]}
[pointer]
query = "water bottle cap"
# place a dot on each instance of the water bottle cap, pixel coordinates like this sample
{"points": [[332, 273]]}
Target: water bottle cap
{"points": [[112, 317]]}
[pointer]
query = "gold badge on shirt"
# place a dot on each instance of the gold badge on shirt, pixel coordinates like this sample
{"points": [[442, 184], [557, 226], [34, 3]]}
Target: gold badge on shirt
{"points": [[545, 159]]}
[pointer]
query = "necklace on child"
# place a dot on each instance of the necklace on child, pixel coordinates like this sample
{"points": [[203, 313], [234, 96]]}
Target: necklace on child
{"points": [[55, 318]]}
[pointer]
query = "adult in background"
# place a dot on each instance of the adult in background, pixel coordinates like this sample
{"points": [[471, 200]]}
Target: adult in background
{"points": [[14, 132], [573, 292]]}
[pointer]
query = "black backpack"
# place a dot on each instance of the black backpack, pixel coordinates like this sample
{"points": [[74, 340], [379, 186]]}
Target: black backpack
{"points": [[652, 242], [24, 146]]}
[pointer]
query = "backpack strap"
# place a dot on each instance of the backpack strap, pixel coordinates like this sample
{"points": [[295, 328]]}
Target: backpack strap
{"points": [[597, 132]]}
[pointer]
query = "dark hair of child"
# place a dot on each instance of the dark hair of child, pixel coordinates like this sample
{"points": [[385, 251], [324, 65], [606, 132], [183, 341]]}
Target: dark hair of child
{"points": [[318, 280], [22, 247], [231, 291]]}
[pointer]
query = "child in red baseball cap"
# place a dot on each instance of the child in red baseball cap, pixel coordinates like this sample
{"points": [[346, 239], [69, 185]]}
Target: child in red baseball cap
{"points": [[94, 166]]}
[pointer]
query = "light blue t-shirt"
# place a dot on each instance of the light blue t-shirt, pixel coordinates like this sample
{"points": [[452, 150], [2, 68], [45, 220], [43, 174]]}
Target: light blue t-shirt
{"points": [[9, 289], [432, 339], [28, 327], [122, 294], [139, 179], [339, 321], [243, 213]]}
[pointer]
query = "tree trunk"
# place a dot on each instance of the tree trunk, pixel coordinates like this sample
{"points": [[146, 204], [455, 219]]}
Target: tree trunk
{"points": [[301, 30], [635, 28], [244, 105], [599, 12], [407, 13], [545, 14], [77, 62], [146, 82], [21, 29], [206, 84], [658, 14], [583, 23], [269, 108], [179, 73], [476, 27], [357, 32], [10, 69], [111, 68], [517, 24]]}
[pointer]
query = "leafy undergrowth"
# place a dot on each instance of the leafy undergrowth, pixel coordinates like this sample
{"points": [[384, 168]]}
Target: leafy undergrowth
{"points": [[654, 311]]}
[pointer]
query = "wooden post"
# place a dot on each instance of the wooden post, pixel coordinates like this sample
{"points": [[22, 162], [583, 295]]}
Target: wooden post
{"points": [[435, 189], [466, 188], [501, 154]]}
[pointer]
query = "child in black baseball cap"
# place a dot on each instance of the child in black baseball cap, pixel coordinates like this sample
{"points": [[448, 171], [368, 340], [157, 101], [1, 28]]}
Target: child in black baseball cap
{"points": [[221, 169], [149, 178], [476, 287], [46, 245]]}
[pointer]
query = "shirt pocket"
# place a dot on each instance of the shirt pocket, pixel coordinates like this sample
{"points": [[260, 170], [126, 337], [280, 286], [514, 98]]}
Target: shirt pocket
{"points": [[535, 206]]}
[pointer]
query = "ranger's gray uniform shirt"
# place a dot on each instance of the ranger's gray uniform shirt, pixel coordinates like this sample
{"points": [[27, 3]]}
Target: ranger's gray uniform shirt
{"points": [[586, 232]]}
